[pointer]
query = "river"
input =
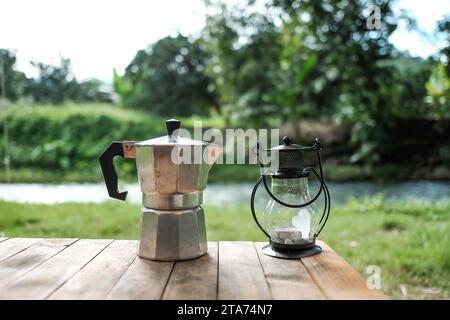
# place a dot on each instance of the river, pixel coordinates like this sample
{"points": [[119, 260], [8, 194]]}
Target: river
{"points": [[224, 194]]}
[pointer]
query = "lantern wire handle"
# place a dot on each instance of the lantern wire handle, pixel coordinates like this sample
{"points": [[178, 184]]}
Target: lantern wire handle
{"points": [[252, 207], [318, 147], [326, 210], [252, 198]]}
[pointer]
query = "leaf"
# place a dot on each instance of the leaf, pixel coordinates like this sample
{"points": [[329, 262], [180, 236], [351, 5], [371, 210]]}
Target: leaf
{"points": [[306, 69], [121, 86]]}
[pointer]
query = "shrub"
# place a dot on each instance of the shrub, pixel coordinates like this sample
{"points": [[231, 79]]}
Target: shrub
{"points": [[71, 137]]}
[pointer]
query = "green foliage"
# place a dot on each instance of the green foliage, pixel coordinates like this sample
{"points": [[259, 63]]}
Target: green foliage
{"points": [[168, 78], [444, 28], [438, 87], [267, 63], [245, 48], [54, 83], [13, 83], [72, 138], [320, 60], [315, 59], [121, 86], [92, 90], [219, 173], [48, 175], [347, 51], [408, 241], [67, 140]]}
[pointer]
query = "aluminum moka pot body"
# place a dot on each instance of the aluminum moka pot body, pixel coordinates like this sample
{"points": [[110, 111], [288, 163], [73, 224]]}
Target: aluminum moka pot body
{"points": [[173, 172], [166, 179]]}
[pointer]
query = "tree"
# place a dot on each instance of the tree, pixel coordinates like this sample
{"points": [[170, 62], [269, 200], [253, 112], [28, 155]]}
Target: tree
{"points": [[169, 78], [438, 85], [332, 55], [92, 90], [245, 49], [55, 83], [305, 58], [358, 75], [14, 82], [444, 28]]}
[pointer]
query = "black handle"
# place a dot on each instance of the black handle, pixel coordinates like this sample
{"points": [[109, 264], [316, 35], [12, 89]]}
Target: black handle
{"points": [[172, 125], [109, 172]]}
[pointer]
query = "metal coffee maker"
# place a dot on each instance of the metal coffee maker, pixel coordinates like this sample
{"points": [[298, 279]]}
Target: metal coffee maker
{"points": [[173, 172]]}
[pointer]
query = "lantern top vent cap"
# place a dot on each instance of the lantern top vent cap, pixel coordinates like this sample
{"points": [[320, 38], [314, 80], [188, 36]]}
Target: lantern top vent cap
{"points": [[288, 145]]}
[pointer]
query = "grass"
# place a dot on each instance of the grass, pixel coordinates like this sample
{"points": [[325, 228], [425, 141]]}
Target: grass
{"points": [[410, 242], [227, 173]]}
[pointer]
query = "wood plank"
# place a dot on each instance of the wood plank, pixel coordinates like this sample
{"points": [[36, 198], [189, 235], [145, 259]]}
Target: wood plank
{"points": [[240, 273], [144, 279], [3, 238], [336, 278], [288, 279], [42, 281], [194, 279], [26, 260], [98, 277], [12, 246]]}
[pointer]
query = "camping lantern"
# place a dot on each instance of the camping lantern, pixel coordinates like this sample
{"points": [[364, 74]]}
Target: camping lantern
{"points": [[292, 221]]}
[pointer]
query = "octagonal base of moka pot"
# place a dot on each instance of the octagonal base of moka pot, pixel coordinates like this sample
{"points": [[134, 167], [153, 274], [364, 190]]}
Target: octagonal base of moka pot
{"points": [[172, 235]]}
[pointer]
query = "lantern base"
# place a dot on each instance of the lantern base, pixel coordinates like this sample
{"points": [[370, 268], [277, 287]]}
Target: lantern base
{"points": [[291, 254]]}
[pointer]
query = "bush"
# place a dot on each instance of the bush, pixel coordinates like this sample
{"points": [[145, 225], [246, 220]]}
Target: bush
{"points": [[71, 137]]}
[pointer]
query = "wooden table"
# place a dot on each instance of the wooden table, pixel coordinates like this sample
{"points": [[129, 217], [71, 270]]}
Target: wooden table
{"points": [[32, 268]]}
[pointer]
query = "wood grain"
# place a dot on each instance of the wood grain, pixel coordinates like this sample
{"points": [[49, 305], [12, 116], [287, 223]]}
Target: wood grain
{"points": [[12, 246], [336, 278], [288, 279], [240, 273], [144, 279], [26, 260], [194, 279], [98, 269], [98, 277], [42, 281]]}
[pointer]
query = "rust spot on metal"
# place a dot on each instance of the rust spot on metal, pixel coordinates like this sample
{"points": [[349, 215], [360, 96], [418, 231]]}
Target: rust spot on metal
{"points": [[129, 149]]}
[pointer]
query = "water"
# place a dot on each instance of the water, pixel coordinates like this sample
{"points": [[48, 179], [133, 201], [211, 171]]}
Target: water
{"points": [[224, 194]]}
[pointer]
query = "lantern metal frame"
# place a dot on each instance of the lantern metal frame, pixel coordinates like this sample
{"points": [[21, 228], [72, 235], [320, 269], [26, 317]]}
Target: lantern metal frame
{"points": [[291, 251]]}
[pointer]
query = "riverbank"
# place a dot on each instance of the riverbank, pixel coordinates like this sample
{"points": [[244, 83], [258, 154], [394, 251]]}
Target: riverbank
{"points": [[61, 144], [231, 173], [409, 241]]}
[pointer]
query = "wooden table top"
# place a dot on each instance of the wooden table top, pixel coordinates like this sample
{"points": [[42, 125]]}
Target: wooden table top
{"points": [[32, 268]]}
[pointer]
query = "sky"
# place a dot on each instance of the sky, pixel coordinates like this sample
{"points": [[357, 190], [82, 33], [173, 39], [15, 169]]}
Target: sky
{"points": [[99, 35]]}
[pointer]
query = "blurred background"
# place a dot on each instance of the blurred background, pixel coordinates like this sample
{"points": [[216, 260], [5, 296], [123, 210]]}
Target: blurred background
{"points": [[370, 78]]}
